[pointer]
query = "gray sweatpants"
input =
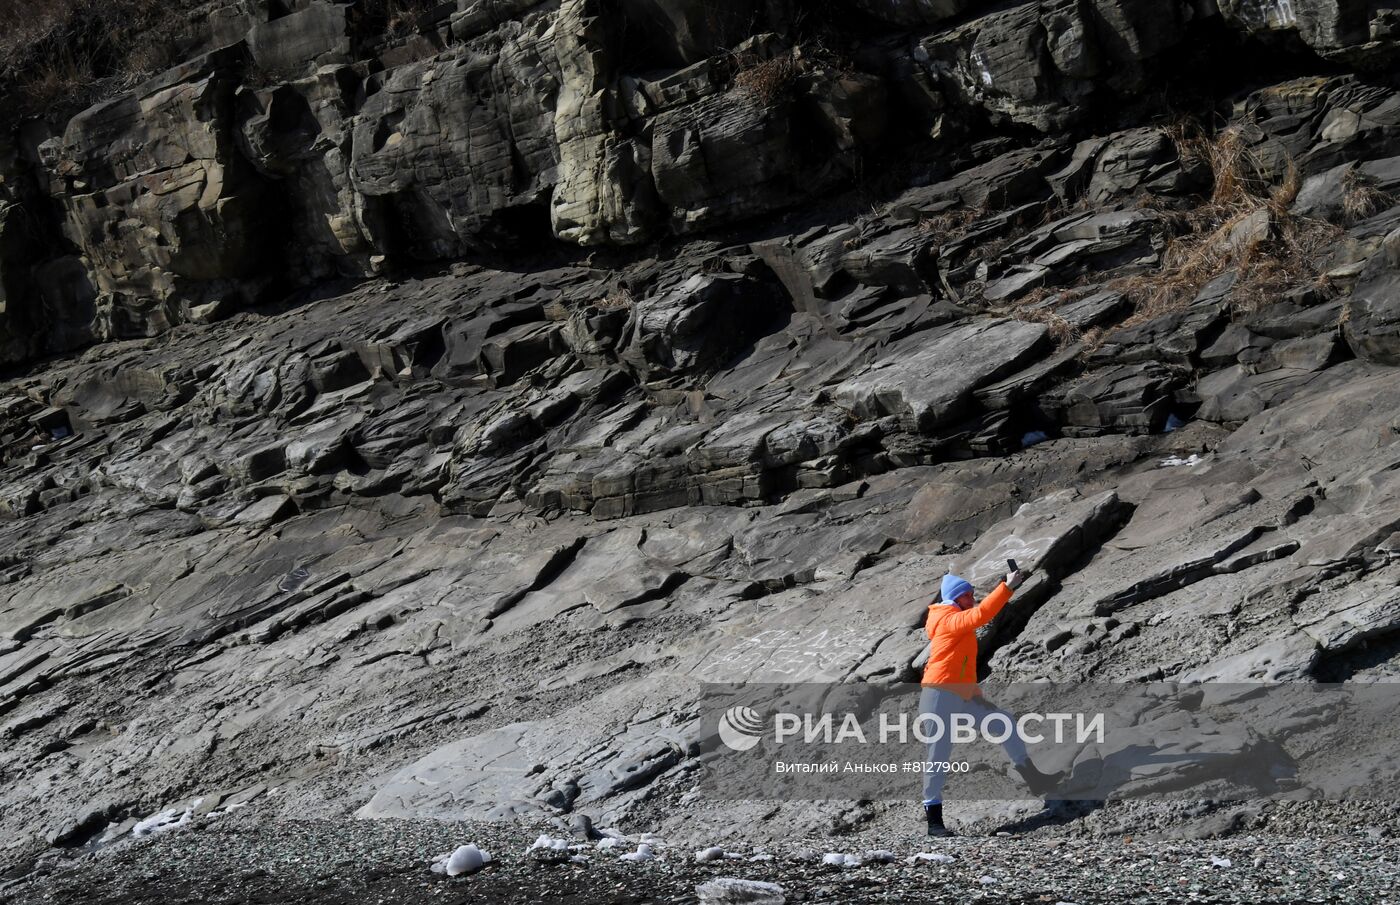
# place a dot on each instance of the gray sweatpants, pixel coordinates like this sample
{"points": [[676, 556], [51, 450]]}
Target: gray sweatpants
{"points": [[943, 704]]}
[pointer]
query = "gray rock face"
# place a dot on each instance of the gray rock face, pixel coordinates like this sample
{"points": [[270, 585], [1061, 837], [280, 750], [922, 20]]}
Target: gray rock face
{"points": [[1123, 241], [929, 383], [305, 39], [1036, 63], [465, 542], [1372, 316], [1005, 181], [1360, 121], [1138, 160], [16, 247], [696, 325], [723, 157], [1125, 397], [1344, 30], [498, 124], [161, 206], [433, 165]]}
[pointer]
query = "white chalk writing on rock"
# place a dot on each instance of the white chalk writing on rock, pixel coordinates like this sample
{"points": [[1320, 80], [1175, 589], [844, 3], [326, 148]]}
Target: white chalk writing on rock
{"points": [[1026, 551], [792, 653]]}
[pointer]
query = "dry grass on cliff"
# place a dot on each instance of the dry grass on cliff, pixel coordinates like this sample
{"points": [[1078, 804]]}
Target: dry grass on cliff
{"points": [[769, 81], [394, 17], [65, 53], [619, 298], [1245, 226], [1361, 197], [1030, 308], [950, 225]]}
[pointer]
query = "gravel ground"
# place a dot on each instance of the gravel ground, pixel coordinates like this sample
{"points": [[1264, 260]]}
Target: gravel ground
{"points": [[251, 858]]}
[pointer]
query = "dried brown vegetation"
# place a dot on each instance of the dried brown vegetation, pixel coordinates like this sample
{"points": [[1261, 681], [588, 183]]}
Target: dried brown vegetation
{"points": [[949, 226], [67, 53], [393, 17], [768, 81], [1244, 226], [1033, 308], [1361, 197], [618, 298]]}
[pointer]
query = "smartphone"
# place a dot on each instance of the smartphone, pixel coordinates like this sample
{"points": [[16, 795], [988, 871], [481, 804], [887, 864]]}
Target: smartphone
{"points": [[1012, 564]]}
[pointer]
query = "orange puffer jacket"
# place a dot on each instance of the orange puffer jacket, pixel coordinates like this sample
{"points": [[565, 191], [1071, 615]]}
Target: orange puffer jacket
{"points": [[952, 636]]}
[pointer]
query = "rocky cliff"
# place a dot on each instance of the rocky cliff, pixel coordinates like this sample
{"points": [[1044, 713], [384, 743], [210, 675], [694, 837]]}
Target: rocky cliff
{"points": [[387, 396]]}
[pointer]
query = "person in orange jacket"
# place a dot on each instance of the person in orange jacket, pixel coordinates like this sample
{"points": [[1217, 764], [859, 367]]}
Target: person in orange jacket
{"points": [[950, 684]]}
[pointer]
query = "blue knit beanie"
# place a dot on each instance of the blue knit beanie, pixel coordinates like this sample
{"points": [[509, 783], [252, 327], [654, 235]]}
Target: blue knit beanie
{"points": [[954, 587]]}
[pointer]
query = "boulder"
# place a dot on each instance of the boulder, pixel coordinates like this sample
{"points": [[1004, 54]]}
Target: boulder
{"points": [[1073, 246], [1134, 162], [1133, 397], [725, 158], [1006, 181], [809, 264], [901, 259], [693, 328], [928, 381]]}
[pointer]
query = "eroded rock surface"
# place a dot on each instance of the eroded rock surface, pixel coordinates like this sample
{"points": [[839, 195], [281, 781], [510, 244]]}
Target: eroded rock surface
{"points": [[421, 420]]}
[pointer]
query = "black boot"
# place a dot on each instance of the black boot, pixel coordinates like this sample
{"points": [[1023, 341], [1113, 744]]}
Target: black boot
{"points": [[1039, 783], [934, 814]]}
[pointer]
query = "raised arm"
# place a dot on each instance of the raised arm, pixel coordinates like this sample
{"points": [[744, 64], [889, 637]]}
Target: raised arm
{"points": [[975, 617]]}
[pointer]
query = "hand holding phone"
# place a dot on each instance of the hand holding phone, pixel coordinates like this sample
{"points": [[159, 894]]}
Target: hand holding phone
{"points": [[1015, 576]]}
